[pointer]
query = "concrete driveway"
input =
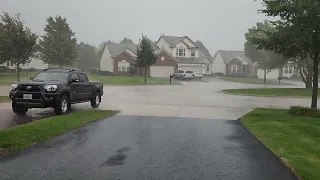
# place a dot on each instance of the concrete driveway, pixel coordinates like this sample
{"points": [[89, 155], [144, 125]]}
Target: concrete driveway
{"points": [[138, 148]]}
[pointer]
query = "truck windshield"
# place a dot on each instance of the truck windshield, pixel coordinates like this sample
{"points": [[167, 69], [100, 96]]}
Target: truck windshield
{"points": [[51, 76]]}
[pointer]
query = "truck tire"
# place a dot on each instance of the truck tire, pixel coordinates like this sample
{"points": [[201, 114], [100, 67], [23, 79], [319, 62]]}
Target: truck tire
{"points": [[95, 100], [62, 105], [18, 109]]}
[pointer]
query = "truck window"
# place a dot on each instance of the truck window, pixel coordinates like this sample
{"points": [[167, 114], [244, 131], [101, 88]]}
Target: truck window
{"points": [[74, 76], [83, 77]]}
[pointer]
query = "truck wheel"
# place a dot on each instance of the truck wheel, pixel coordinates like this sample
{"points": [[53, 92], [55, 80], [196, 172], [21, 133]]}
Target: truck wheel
{"points": [[18, 109], [62, 106], [95, 101]]}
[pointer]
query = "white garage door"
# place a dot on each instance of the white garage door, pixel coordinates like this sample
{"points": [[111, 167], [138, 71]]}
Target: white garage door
{"points": [[197, 69], [161, 71]]}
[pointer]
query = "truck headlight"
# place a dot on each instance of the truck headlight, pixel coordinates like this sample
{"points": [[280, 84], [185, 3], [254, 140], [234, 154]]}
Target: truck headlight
{"points": [[14, 87], [50, 88]]}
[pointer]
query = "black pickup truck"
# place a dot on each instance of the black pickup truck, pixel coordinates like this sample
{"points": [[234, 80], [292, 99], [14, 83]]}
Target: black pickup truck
{"points": [[56, 88]]}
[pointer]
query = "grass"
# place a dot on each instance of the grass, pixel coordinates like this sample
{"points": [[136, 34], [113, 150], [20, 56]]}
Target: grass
{"points": [[294, 139], [4, 99], [287, 92], [22, 136], [128, 80], [248, 80], [9, 78]]}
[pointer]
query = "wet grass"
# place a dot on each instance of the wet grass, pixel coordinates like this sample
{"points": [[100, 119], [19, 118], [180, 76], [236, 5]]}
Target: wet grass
{"points": [[297, 92], [248, 80], [4, 99], [22, 136], [9, 78], [129, 80], [294, 139]]}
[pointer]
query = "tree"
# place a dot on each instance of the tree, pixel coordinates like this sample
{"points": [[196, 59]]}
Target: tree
{"points": [[17, 43], [59, 45], [145, 56], [126, 41], [87, 57], [297, 33], [266, 60]]}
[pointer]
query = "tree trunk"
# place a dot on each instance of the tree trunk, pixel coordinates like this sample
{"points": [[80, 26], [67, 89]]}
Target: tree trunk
{"points": [[314, 101], [18, 72], [265, 76], [145, 75], [60, 65], [308, 81]]}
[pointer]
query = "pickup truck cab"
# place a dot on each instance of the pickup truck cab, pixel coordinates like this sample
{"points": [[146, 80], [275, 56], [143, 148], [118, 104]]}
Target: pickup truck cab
{"points": [[183, 74], [56, 88]]}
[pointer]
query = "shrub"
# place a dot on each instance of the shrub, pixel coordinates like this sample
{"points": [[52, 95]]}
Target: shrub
{"points": [[218, 74], [32, 70], [304, 111], [4, 69]]}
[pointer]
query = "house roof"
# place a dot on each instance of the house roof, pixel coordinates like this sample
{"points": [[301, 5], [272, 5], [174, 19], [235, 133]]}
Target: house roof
{"points": [[203, 51], [174, 40], [227, 55], [117, 48], [191, 60]]}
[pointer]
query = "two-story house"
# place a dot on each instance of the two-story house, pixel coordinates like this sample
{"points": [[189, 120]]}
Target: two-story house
{"points": [[187, 53]]}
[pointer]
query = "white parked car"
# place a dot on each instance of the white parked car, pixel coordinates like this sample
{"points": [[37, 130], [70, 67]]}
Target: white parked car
{"points": [[183, 74], [197, 75]]}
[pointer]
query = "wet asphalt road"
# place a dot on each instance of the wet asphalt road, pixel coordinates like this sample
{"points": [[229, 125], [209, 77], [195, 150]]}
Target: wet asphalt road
{"points": [[137, 148]]}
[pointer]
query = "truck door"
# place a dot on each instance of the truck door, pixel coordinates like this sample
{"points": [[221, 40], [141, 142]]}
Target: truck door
{"points": [[75, 87], [85, 87]]}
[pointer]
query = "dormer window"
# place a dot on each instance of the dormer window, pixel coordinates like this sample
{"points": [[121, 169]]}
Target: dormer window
{"points": [[181, 52]]}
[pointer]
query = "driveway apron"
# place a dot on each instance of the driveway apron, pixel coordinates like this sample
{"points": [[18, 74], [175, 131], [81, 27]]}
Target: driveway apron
{"points": [[141, 147]]}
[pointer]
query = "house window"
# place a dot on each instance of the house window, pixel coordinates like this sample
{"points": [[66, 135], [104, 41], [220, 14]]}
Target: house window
{"points": [[243, 68], [286, 69], [11, 63], [123, 66], [290, 70], [8, 63], [234, 69], [181, 52], [193, 53], [208, 67]]}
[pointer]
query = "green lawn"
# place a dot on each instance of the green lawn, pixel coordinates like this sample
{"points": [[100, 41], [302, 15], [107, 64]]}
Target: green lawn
{"points": [[9, 78], [248, 80], [294, 139], [298, 92], [128, 80], [19, 137], [4, 99]]}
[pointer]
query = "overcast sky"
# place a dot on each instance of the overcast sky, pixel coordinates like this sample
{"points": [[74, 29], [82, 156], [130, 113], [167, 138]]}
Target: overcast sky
{"points": [[219, 24]]}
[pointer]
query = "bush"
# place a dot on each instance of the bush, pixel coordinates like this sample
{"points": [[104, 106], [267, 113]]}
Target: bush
{"points": [[32, 70], [218, 74], [4, 69], [304, 111]]}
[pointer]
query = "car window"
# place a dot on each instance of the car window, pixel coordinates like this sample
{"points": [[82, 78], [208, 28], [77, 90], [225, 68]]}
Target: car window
{"points": [[188, 72], [83, 77], [74, 76]]}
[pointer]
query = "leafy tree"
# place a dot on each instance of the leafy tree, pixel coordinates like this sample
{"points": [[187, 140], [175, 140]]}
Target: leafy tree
{"points": [[266, 60], [297, 33], [59, 45], [126, 41], [145, 56], [17, 43], [87, 57]]}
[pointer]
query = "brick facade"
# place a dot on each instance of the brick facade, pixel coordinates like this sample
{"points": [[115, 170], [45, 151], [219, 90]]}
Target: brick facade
{"points": [[247, 70], [123, 56]]}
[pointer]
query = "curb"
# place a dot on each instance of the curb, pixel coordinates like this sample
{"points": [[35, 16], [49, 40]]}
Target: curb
{"points": [[239, 94]]}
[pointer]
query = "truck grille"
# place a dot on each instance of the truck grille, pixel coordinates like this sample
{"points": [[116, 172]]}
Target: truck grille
{"points": [[29, 88]]}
